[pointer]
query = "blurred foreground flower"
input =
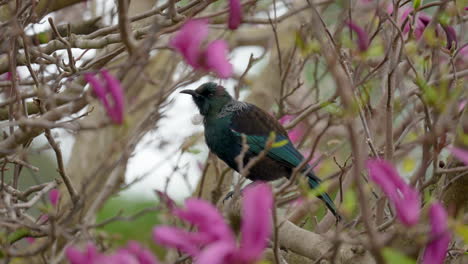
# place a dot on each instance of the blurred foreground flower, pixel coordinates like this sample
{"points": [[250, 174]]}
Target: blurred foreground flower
{"points": [[30, 240], [188, 41], [235, 14], [439, 241], [294, 134], [105, 89], [421, 23], [460, 154], [405, 198], [214, 242], [134, 253], [54, 196], [362, 36]]}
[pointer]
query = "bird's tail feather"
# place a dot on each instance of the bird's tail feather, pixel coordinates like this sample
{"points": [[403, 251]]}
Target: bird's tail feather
{"points": [[314, 182]]}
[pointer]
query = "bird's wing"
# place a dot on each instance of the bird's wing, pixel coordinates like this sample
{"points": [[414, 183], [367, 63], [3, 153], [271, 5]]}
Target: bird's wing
{"points": [[257, 125]]}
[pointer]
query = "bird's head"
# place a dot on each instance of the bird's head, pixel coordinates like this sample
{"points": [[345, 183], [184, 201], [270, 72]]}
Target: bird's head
{"points": [[209, 98]]}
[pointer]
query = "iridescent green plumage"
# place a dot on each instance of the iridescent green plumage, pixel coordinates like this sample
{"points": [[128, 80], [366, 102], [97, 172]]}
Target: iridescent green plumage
{"points": [[226, 120]]}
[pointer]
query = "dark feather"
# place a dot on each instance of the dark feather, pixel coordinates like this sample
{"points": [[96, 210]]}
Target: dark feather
{"points": [[257, 125]]}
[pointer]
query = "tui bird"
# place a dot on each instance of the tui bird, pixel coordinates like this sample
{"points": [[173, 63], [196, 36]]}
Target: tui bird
{"points": [[226, 120]]}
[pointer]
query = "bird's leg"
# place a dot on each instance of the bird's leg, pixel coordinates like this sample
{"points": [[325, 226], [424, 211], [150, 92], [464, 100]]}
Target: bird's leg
{"points": [[230, 194]]}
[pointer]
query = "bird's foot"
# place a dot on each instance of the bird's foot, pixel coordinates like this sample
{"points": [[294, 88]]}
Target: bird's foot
{"points": [[228, 196]]}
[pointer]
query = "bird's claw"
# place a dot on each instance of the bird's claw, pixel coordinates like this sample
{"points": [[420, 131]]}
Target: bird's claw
{"points": [[228, 196]]}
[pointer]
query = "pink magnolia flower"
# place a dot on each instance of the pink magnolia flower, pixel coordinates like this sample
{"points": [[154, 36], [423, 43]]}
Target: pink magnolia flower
{"points": [[451, 37], [210, 223], [89, 256], [43, 218], [30, 240], [105, 89], [462, 104], [296, 133], [7, 76], [142, 255], [214, 242], [133, 253], [422, 21], [188, 41], [362, 36], [216, 58], [235, 14], [405, 198], [460, 154], [440, 237], [54, 196]]}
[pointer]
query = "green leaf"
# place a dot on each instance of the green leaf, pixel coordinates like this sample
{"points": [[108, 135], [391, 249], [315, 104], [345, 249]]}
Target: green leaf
{"points": [[393, 256], [43, 37], [350, 201], [18, 234], [279, 144], [462, 231], [416, 4], [409, 164], [193, 150], [333, 109], [375, 51], [444, 18]]}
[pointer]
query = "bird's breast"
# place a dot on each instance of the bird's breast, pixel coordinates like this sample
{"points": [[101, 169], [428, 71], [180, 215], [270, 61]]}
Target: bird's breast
{"points": [[224, 143]]}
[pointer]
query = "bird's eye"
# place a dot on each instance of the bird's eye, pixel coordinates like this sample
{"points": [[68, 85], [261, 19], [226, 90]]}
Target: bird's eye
{"points": [[210, 94]]}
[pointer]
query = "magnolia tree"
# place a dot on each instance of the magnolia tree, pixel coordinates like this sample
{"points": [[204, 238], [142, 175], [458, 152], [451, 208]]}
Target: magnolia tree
{"points": [[372, 93]]}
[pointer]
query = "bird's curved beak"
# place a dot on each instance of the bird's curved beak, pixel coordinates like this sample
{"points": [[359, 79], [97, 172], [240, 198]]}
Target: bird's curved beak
{"points": [[191, 92]]}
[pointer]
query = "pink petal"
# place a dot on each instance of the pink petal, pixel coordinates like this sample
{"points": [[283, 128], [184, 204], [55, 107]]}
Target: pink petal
{"points": [[362, 37], [451, 36], [43, 219], [404, 14], [460, 154], [216, 253], [284, 120], [30, 240], [424, 18], [89, 256], [188, 40], [54, 196], [176, 238], [421, 23], [256, 221], [143, 255], [408, 206], [462, 104], [112, 86], [405, 198], [115, 89], [295, 134], [437, 247], [206, 218], [215, 57], [97, 87], [235, 14]]}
